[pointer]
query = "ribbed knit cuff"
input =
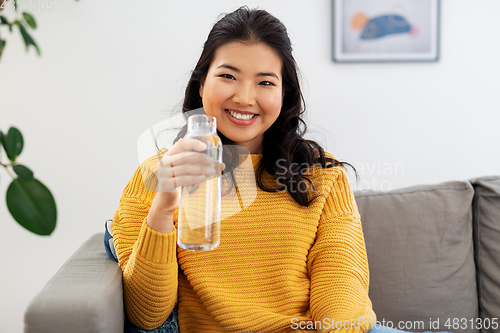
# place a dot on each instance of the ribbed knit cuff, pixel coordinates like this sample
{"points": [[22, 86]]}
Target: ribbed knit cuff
{"points": [[156, 246]]}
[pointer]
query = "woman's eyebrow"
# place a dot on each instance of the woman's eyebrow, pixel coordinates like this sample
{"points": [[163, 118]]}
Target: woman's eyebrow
{"points": [[258, 74]]}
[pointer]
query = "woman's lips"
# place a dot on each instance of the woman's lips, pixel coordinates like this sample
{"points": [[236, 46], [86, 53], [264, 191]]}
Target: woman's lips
{"points": [[241, 121]]}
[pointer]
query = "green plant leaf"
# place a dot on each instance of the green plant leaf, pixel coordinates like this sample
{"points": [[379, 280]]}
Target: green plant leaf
{"points": [[13, 143], [2, 46], [32, 205], [30, 20], [1, 134], [23, 171], [3, 20], [27, 38]]}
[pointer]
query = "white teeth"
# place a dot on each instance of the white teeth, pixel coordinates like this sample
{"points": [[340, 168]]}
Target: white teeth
{"points": [[241, 116]]}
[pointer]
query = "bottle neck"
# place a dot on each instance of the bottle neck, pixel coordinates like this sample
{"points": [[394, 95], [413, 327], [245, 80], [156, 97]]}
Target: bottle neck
{"points": [[202, 124], [202, 128]]}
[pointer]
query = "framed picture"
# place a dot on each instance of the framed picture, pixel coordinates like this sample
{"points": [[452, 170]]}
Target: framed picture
{"points": [[385, 30]]}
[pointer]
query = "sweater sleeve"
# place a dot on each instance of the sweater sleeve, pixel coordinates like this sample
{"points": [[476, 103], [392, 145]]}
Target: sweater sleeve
{"points": [[338, 266], [147, 258]]}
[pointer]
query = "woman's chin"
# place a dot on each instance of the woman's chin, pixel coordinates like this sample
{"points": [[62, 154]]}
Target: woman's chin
{"points": [[246, 142]]}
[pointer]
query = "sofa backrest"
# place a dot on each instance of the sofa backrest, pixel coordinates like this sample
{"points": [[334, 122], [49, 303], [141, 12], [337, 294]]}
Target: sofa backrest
{"points": [[486, 226], [420, 249]]}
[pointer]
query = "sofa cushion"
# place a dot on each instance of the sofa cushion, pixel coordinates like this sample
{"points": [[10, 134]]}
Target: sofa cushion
{"points": [[486, 208], [420, 252]]}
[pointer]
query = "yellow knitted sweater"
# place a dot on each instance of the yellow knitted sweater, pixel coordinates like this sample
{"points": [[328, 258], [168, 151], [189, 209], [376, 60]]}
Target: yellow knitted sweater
{"points": [[280, 267]]}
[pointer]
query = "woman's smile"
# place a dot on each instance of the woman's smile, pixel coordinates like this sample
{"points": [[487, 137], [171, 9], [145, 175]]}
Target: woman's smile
{"points": [[241, 117]]}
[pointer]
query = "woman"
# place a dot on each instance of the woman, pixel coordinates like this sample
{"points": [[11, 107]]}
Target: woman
{"points": [[293, 260]]}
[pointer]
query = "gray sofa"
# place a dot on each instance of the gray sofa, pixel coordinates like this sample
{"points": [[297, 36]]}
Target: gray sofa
{"points": [[433, 251]]}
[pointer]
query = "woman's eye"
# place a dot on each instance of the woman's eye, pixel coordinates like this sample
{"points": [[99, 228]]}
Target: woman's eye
{"points": [[267, 83], [228, 76]]}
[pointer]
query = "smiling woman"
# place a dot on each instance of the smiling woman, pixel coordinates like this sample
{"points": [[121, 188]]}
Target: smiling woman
{"points": [[295, 254], [302, 218]]}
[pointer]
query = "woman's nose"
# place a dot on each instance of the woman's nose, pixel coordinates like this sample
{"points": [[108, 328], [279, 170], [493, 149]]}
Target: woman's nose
{"points": [[244, 94]]}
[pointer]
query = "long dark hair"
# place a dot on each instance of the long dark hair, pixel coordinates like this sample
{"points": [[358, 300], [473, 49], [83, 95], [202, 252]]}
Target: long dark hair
{"points": [[283, 141]]}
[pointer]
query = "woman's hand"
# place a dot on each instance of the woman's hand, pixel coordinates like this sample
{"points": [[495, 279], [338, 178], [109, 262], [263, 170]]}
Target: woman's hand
{"points": [[180, 166]]}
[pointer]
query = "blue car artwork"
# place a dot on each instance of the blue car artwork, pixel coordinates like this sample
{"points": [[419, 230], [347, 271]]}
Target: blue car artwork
{"points": [[381, 26]]}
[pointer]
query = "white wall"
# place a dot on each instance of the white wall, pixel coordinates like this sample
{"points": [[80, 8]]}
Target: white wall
{"points": [[110, 69]]}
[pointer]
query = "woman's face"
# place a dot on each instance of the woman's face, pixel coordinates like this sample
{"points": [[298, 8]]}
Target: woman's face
{"points": [[243, 90]]}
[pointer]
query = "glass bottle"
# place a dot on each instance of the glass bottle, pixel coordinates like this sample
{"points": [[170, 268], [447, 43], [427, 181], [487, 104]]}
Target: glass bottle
{"points": [[200, 205]]}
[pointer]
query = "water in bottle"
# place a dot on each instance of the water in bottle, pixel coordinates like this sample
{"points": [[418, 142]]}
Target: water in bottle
{"points": [[200, 205]]}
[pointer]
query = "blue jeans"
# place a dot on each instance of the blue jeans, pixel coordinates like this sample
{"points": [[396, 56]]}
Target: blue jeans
{"points": [[171, 325]]}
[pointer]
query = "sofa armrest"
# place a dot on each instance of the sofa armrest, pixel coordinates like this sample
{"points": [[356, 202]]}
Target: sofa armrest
{"points": [[85, 295]]}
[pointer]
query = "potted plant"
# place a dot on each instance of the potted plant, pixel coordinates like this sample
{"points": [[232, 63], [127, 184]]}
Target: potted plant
{"points": [[29, 201]]}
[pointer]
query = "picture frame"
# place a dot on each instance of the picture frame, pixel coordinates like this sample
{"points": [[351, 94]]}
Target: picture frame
{"points": [[386, 30]]}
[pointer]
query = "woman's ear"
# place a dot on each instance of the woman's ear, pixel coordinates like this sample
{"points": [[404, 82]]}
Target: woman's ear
{"points": [[201, 90]]}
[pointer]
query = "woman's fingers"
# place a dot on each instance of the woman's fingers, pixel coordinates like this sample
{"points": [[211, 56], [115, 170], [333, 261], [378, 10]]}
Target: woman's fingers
{"points": [[170, 178], [188, 158], [187, 144], [187, 163], [185, 169], [184, 158], [170, 184], [184, 166]]}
